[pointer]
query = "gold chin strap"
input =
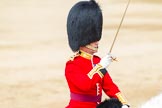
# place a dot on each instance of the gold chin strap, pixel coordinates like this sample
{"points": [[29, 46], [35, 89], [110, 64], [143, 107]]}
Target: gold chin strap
{"points": [[92, 48]]}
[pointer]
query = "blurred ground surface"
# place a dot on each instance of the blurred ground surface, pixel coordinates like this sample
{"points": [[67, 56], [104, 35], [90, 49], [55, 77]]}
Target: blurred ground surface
{"points": [[34, 49]]}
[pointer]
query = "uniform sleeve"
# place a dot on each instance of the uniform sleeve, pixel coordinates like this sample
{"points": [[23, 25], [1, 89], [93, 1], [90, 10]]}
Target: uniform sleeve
{"points": [[109, 87], [78, 79]]}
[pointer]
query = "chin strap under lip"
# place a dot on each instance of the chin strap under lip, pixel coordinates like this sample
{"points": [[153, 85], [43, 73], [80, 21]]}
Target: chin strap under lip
{"points": [[91, 47]]}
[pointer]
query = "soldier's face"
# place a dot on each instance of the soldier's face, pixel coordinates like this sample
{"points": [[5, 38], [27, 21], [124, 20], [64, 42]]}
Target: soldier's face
{"points": [[91, 48], [95, 46]]}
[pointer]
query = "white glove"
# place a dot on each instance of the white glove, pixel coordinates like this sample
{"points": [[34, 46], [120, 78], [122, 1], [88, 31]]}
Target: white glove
{"points": [[105, 61], [125, 106]]}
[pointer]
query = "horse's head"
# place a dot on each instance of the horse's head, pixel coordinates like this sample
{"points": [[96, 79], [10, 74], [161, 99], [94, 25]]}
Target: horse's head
{"points": [[110, 103]]}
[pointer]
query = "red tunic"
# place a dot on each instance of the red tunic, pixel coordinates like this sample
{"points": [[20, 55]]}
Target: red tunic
{"points": [[79, 82]]}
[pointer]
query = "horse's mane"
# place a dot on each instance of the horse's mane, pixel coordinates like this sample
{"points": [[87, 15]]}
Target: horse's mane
{"points": [[110, 103]]}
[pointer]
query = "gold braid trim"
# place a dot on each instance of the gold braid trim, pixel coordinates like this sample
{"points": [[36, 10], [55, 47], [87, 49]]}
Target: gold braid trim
{"points": [[121, 98], [100, 74], [95, 70], [85, 55]]}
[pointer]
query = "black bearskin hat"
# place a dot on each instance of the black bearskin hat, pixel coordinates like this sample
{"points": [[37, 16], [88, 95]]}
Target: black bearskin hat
{"points": [[84, 24]]}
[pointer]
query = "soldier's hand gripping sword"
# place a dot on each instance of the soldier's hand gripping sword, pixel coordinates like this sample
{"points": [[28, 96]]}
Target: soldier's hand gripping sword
{"points": [[114, 59]]}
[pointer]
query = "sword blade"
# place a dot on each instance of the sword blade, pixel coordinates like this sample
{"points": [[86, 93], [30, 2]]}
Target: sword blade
{"points": [[119, 26]]}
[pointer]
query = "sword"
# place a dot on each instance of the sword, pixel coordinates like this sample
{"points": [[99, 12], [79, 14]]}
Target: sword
{"points": [[119, 29]]}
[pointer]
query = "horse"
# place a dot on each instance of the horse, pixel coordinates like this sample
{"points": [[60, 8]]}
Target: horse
{"points": [[155, 102], [110, 103]]}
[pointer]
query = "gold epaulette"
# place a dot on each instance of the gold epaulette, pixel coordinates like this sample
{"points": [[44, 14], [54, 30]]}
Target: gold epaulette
{"points": [[75, 55]]}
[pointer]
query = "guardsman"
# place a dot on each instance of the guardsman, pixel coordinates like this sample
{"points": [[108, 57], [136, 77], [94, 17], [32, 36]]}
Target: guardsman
{"points": [[85, 72]]}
